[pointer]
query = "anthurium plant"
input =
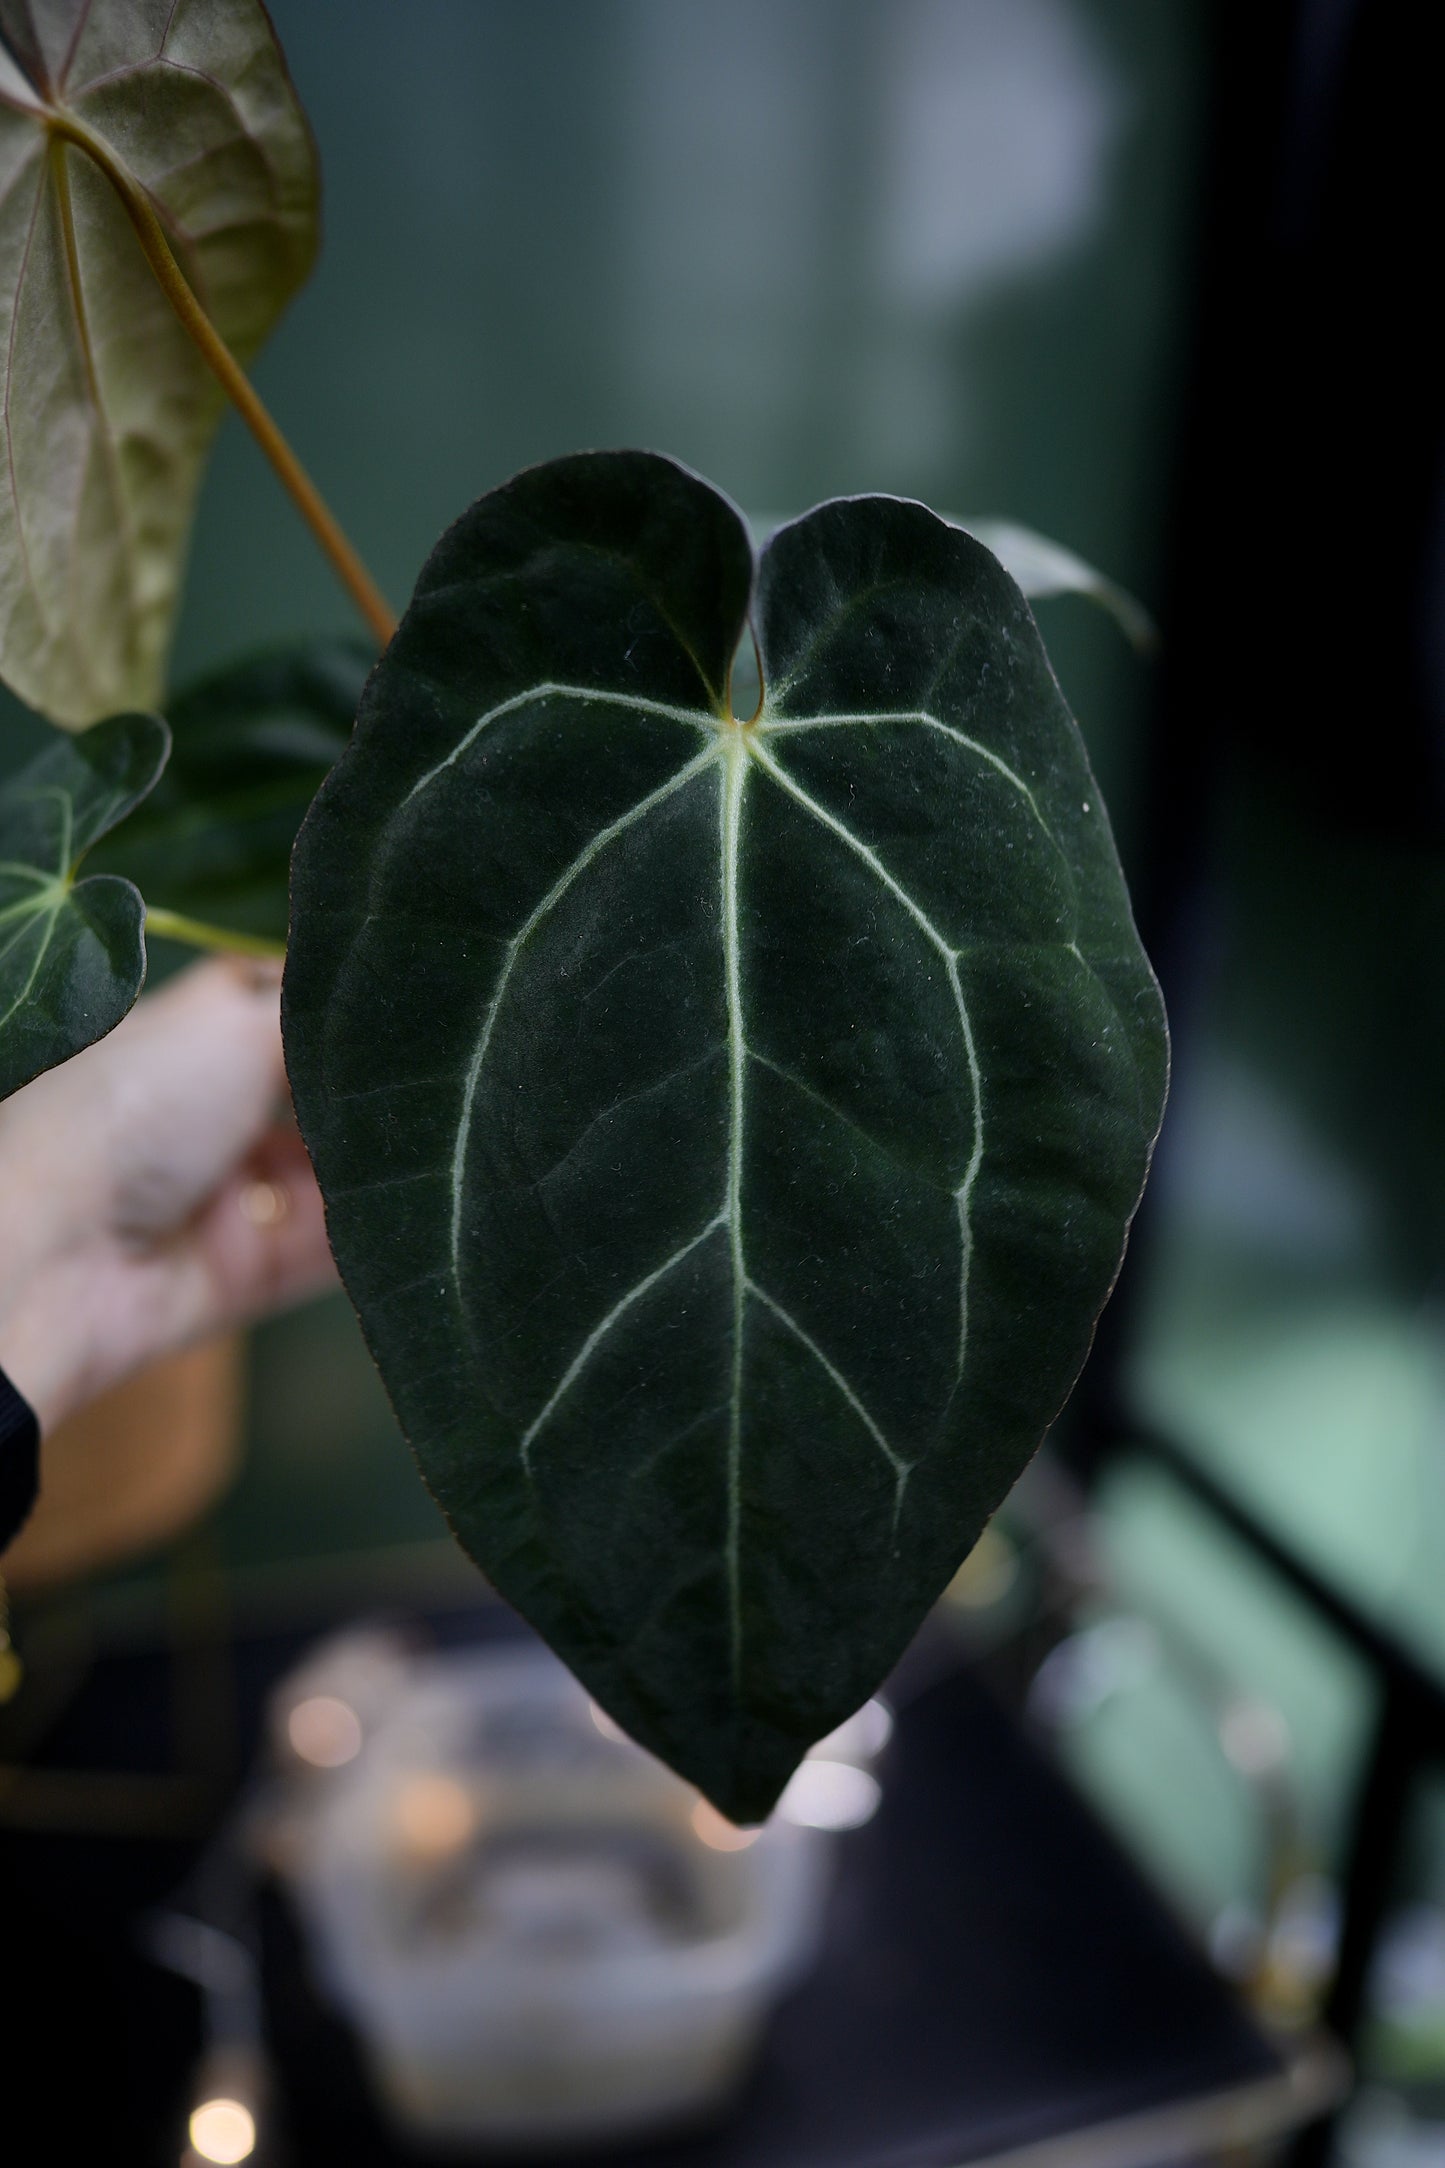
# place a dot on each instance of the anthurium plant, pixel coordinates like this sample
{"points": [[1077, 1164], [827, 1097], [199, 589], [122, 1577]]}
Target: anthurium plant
{"points": [[729, 1114]]}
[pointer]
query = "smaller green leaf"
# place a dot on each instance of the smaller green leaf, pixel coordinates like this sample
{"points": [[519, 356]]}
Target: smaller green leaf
{"points": [[1042, 568], [72, 953], [252, 746]]}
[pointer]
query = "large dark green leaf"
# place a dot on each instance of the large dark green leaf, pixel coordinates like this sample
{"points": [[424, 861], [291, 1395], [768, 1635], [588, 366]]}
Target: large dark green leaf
{"points": [[72, 952], [252, 745], [729, 1131]]}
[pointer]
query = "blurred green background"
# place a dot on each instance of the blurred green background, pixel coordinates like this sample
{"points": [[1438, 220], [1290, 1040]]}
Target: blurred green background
{"points": [[810, 249], [942, 248]]}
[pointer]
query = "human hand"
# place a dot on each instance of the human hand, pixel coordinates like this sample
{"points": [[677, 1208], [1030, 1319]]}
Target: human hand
{"points": [[153, 1191]]}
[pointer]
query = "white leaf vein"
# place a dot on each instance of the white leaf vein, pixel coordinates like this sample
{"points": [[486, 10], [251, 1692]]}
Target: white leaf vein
{"points": [[805, 1090], [514, 948], [603, 1327], [730, 811], [696, 718], [901, 1468], [963, 1194], [789, 725]]}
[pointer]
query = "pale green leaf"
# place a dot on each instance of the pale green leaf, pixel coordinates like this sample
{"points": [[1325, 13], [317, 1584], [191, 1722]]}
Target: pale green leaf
{"points": [[1043, 568], [108, 409]]}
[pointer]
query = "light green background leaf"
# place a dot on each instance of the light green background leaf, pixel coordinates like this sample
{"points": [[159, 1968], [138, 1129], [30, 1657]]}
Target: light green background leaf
{"points": [[107, 407], [1042, 568], [72, 952], [729, 1128]]}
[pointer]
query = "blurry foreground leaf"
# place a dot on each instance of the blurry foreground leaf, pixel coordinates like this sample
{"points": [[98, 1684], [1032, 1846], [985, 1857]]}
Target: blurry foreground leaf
{"points": [[729, 1127], [108, 409], [72, 951], [252, 746]]}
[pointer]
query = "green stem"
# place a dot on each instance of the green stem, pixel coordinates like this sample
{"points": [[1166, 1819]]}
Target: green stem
{"points": [[197, 934]]}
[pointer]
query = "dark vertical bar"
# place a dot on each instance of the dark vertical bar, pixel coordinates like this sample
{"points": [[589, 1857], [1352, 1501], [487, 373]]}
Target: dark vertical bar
{"points": [[1371, 1869], [1308, 505]]}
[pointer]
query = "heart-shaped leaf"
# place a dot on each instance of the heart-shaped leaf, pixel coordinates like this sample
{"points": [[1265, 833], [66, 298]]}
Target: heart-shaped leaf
{"points": [[108, 409], [252, 746], [729, 1129], [72, 952]]}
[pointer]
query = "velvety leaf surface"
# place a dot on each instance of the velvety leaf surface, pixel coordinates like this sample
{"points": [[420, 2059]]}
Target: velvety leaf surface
{"points": [[729, 1130], [107, 408], [72, 952], [252, 745]]}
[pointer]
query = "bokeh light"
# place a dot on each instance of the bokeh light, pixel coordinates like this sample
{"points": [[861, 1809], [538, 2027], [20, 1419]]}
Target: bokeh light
{"points": [[830, 1795], [324, 1731], [223, 2130]]}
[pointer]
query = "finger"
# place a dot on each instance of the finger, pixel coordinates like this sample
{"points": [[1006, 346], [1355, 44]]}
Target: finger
{"points": [[131, 1135], [192, 1089], [260, 1243], [106, 1311]]}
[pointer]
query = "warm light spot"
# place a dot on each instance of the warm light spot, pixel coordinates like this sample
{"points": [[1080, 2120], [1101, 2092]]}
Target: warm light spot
{"points": [[830, 1795], [718, 1832], [264, 1204], [986, 1575], [222, 2130], [432, 1816], [324, 1731]]}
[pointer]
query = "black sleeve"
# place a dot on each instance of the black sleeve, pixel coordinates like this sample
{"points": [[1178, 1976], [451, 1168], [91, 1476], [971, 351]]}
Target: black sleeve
{"points": [[19, 1460]]}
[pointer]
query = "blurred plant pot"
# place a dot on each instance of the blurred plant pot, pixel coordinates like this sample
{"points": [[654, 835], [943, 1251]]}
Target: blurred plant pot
{"points": [[133, 1469]]}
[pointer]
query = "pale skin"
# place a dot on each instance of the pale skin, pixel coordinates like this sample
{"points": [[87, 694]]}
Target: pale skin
{"points": [[154, 1191]]}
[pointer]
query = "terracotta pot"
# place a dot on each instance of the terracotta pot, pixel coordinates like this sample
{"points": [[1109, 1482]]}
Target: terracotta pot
{"points": [[134, 1468]]}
